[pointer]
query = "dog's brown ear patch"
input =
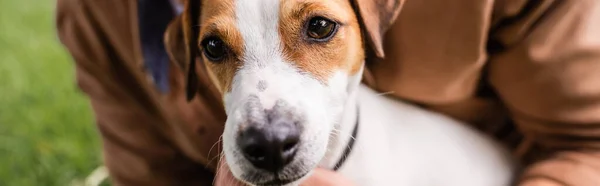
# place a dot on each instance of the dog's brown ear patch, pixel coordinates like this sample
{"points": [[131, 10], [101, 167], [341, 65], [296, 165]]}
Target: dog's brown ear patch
{"points": [[376, 17], [191, 29], [181, 45], [175, 43]]}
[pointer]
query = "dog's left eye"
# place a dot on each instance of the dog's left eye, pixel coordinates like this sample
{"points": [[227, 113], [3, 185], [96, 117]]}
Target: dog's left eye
{"points": [[320, 29], [214, 48]]}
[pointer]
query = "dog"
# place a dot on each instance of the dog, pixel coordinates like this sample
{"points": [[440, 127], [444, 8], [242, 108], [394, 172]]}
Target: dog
{"points": [[289, 72]]}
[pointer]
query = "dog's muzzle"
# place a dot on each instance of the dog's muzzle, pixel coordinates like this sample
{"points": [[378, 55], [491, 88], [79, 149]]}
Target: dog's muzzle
{"points": [[269, 138]]}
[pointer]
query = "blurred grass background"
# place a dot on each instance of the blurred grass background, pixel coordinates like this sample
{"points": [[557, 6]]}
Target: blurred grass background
{"points": [[47, 135]]}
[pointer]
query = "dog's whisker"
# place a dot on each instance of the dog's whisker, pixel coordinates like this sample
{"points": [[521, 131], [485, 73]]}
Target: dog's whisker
{"points": [[218, 141], [213, 159], [221, 155], [338, 132], [218, 156]]}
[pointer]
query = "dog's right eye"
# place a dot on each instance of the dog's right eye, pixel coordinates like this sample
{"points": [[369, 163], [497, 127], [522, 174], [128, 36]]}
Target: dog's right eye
{"points": [[214, 48], [321, 29]]}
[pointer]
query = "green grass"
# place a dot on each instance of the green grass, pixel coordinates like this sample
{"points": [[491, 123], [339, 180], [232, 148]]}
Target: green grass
{"points": [[47, 133]]}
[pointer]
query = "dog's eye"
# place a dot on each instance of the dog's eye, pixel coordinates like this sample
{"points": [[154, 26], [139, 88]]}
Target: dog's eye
{"points": [[320, 29], [214, 48]]}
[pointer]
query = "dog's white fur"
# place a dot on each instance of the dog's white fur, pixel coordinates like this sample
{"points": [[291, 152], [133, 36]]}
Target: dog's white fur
{"points": [[320, 105], [398, 144]]}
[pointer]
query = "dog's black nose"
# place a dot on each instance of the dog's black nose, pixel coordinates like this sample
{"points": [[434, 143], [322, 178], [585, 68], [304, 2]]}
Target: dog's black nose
{"points": [[270, 147]]}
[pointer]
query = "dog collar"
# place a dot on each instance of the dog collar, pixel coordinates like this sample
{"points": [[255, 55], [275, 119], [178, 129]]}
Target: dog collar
{"points": [[350, 145]]}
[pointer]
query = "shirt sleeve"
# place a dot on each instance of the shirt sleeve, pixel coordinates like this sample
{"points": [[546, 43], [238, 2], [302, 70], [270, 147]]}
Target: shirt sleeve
{"points": [[137, 134], [547, 72]]}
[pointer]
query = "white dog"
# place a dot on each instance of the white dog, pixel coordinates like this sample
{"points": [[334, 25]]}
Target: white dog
{"points": [[289, 72]]}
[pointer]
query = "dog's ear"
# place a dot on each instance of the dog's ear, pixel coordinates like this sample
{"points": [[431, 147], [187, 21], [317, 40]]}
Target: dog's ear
{"points": [[181, 44], [376, 17], [175, 43]]}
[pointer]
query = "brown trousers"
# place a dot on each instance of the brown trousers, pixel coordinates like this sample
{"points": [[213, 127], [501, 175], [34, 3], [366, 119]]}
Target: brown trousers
{"points": [[527, 72]]}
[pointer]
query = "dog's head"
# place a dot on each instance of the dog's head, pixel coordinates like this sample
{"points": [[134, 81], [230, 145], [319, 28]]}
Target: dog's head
{"points": [[284, 69]]}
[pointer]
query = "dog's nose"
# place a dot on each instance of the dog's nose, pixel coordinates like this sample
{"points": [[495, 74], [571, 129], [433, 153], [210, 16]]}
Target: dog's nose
{"points": [[270, 147]]}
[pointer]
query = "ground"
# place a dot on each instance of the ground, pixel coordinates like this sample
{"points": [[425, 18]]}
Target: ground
{"points": [[47, 133]]}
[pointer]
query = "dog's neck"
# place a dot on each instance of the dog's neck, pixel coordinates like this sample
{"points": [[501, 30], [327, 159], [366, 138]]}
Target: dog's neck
{"points": [[341, 135]]}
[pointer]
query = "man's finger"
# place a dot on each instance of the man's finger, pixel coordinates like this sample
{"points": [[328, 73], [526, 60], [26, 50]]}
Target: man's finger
{"points": [[323, 177]]}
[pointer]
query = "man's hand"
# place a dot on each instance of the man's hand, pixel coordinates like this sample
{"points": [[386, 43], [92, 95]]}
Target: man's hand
{"points": [[320, 177], [539, 182], [324, 177]]}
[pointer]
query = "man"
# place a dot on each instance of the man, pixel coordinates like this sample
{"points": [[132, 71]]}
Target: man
{"points": [[525, 71]]}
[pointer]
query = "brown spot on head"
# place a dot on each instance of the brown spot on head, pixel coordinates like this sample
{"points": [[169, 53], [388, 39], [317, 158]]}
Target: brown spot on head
{"points": [[218, 21], [343, 51]]}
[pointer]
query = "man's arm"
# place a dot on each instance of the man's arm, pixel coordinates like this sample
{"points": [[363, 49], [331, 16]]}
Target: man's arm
{"points": [[103, 40], [541, 56], [548, 75]]}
